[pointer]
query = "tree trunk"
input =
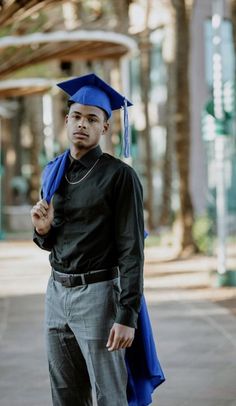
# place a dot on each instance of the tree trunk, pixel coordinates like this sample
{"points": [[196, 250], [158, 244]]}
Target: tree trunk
{"points": [[145, 71], [145, 62], [8, 161], [168, 166], [33, 108], [121, 9], [182, 141], [165, 216]]}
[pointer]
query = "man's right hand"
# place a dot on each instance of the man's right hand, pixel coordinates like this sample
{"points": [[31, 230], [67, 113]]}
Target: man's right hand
{"points": [[42, 216]]}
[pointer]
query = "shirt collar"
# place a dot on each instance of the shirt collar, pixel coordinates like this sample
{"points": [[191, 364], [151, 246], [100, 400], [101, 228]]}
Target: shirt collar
{"points": [[89, 158]]}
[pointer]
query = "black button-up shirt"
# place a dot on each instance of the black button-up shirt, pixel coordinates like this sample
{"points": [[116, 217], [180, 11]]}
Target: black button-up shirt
{"points": [[98, 223]]}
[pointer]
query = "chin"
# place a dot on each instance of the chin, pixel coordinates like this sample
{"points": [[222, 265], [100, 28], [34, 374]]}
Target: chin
{"points": [[79, 143]]}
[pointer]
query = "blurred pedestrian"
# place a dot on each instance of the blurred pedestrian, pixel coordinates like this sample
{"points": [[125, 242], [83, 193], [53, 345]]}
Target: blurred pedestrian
{"points": [[93, 228]]}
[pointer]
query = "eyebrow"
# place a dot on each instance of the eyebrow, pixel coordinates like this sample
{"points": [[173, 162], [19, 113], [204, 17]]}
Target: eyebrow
{"points": [[89, 115]]}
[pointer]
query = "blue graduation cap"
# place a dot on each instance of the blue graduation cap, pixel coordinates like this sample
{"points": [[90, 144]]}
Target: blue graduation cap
{"points": [[90, 90]]}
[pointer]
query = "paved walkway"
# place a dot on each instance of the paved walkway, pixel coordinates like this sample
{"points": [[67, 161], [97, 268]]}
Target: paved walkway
{"points": [[195, 331]]}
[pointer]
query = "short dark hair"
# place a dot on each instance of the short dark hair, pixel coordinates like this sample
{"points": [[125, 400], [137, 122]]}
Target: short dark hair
{"points": [[70, 102]]}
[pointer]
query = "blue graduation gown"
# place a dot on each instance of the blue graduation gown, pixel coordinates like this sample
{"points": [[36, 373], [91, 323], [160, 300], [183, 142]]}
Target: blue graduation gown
{"points": [[144, 369]]}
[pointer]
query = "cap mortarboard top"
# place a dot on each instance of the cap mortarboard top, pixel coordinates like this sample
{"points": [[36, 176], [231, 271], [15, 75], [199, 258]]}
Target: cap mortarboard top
{"points": [[93, 91]]}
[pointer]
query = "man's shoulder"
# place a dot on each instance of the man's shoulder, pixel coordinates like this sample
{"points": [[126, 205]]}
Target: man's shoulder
{"points": [[116, 163], [120, 169]]}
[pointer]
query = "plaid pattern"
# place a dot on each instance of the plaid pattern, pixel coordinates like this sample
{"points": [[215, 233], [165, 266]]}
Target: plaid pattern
{"points": [[77, 325]]}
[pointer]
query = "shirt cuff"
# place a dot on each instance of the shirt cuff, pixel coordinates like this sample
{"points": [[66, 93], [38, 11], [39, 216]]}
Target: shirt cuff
{"points": [[42, 236], [127, 317]]}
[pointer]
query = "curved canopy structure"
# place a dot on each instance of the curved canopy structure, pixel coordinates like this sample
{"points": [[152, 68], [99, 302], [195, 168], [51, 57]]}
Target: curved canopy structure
{"points": [[21, 51], [35, 36], [24, 87], [27, 50]]}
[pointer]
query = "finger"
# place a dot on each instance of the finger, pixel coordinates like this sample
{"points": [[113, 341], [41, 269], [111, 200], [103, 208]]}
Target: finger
{"points": [[110, 338], [114, 347], [115, 344], [44, 203], [130, 343], [40, 212], [36, 212], [42, 208], [125, 343]]}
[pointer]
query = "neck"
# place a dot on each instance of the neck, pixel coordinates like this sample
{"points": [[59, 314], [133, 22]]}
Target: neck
{"points": [[77, 153]]}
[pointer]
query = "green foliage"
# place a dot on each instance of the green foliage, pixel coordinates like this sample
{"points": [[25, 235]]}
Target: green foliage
{"points": [[152, 240], [5, 31], [203, 233]]}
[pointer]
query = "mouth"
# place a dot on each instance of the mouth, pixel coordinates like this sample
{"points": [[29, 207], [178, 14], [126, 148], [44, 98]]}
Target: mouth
{"points": [[80, 134]]}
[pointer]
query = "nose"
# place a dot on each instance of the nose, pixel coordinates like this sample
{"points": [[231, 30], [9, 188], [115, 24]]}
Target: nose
{"points": [[82, 123]]}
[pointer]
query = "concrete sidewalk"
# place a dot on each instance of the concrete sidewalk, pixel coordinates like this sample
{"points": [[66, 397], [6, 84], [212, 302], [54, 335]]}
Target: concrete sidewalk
{"points": [[195, 336]]}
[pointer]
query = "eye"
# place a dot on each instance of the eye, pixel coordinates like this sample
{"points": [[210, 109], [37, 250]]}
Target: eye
{"points": [[75, 116], [91, 120]]}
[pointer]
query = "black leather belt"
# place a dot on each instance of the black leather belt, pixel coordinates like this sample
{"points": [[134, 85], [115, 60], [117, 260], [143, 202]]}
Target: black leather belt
{"points": [[72, 280]]}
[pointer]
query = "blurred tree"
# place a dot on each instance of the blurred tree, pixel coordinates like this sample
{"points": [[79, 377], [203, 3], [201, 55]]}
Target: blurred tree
{"points": [[121, 10], [167, 170], [33, 123], [168, 164], [182, 122], [145, 71]]}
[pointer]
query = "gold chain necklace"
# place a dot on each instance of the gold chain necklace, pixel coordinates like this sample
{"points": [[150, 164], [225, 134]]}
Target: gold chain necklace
{"points": [[85, 176]]}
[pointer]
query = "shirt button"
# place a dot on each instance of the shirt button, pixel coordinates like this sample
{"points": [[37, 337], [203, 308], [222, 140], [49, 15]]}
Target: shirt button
{"points": [[67, 219]]}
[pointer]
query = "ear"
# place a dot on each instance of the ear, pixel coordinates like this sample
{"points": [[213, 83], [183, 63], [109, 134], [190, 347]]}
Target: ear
{"points": [[66, 119], [106, 126]]}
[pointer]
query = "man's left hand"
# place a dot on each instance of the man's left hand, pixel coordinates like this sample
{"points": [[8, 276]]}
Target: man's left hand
{"points": [[120, 337]]}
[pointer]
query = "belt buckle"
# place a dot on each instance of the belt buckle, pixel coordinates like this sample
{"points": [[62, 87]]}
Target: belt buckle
{"points": [[66, 282]]}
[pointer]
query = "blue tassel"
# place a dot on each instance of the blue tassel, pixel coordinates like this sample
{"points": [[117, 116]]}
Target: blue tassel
{"points": [[126, 139]]}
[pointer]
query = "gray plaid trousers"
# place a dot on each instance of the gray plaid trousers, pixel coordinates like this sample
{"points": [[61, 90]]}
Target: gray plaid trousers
{"points": [[77, 325]]}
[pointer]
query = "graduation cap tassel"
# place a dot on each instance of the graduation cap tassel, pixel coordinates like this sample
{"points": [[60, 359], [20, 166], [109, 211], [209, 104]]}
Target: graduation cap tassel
{"points": [[126, 140]]}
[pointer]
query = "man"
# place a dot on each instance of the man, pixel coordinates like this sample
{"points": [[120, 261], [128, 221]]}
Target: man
{"points": [[94, 231]]}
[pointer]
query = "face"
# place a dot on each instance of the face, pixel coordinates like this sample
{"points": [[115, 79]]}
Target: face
{"points": [[85, 126]]}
